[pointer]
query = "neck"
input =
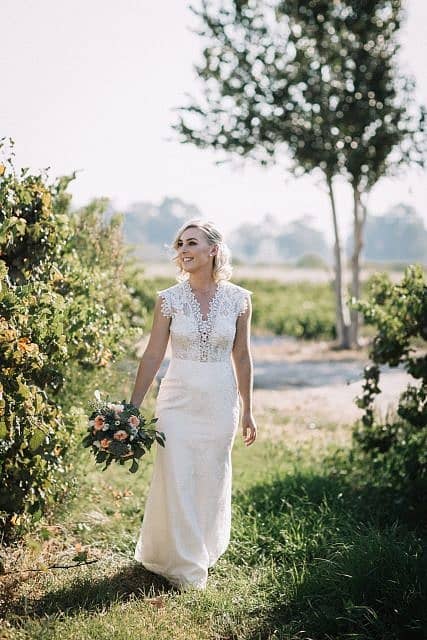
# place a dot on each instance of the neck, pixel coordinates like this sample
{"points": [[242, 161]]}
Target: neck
{"points": [[201, 282]]}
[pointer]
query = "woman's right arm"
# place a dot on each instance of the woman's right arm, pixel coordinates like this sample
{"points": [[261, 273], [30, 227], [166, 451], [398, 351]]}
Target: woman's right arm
{"points": [[152, 356]]}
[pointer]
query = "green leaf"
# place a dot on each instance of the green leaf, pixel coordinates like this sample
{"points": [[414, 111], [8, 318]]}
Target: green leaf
{"points": [[139, 452], [36, 440], [159, 440], [87, 441], [101, 456], [3, 429], [134, 468]]}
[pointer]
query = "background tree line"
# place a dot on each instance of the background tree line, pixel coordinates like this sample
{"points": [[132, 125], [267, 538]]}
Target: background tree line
{"points": [[398, 235]]}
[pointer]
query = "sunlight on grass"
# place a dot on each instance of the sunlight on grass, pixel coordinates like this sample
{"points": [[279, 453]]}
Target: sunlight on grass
{"points": [[310, 556]]}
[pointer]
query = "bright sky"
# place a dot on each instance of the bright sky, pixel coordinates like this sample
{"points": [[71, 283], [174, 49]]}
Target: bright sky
{"points": [[91, 85]]}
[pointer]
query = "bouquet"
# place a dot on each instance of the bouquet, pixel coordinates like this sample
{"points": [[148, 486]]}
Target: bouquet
{"points": [[118, 432]]}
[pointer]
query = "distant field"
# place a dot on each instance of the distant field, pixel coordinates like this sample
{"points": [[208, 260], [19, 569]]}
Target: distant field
{"points": [[272, 272]]}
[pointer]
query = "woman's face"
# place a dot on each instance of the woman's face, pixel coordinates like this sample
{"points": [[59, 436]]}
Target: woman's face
{"points": [[194, 251]]}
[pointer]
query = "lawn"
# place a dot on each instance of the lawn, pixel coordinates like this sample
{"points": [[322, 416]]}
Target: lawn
{"points": [[313, 554]]}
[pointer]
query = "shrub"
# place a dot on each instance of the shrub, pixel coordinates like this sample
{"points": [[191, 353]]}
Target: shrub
{"points": [[62, 320], [398, 447]]}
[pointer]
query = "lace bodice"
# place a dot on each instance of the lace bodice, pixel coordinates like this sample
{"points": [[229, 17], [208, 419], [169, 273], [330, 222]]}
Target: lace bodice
{"points": [[207, 339]]}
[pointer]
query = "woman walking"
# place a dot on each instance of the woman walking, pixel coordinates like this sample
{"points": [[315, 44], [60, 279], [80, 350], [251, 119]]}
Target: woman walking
{"points": [[187, 517]]}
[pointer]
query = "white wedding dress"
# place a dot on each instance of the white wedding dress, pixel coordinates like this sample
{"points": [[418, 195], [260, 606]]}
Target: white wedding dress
{"points": [[187, 517]]}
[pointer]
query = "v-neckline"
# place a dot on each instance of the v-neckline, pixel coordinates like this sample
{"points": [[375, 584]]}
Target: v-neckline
{"points": [[197, 307]]}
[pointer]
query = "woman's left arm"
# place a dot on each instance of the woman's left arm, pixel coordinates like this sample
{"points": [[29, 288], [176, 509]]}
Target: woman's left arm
{"points": [[244, 371]]}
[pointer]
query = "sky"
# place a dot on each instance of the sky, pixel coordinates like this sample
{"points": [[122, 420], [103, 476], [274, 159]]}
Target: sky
{"points": [[91, 86]]}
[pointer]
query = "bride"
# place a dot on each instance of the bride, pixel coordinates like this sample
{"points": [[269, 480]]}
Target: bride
{"points": [[187, 518]]}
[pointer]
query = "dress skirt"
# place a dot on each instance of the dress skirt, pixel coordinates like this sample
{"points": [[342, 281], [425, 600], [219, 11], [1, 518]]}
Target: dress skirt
{"points": [[187, 518]]}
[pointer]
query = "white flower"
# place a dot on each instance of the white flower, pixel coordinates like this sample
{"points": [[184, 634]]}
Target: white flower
{"points": [[91, 423], [115, 407], [105, 427], [96, 443]]}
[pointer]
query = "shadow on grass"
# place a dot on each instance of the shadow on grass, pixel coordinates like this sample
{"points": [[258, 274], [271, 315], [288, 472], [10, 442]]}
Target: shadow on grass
{"points": [[94, 594], [346, 564]]}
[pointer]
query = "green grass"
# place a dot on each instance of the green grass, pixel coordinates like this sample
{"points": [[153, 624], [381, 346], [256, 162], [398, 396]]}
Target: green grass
{"points": [[311, 556]]}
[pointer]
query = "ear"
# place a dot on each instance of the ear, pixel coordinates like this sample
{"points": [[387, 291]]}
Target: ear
{"points": [[214, 250]]}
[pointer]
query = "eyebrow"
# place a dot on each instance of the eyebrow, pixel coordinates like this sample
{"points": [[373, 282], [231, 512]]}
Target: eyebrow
{"points": [[188, 239]]}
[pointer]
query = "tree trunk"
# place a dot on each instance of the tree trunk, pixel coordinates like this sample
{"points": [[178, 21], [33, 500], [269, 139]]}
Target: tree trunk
{"points": [[341, 311], [359, 218]]}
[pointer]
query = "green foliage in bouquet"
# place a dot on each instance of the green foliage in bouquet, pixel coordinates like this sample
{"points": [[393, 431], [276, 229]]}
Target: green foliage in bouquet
{"points": [[397, 447], [62, 320], [117, 432]]}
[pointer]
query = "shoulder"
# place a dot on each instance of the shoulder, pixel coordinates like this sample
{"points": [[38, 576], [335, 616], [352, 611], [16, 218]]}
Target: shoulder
{"points": [[170, 291], [170, 298], [239, 296], [236, 289]]}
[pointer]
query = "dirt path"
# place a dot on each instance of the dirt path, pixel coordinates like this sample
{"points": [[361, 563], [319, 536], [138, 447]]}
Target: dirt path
{"points": [[305, 389]]}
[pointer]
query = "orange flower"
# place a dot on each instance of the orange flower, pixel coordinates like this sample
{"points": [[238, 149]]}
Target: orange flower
{"points": [[105, 443], [120, 435], [23, 344], [99, 423]]}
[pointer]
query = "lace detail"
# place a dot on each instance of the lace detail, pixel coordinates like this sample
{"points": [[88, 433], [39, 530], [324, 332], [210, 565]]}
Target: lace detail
{"points": [[207, 339], [165, 306], [242, 303], [204, 325]]}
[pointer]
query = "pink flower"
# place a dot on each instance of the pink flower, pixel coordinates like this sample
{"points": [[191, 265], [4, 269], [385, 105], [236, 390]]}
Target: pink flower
{"points": [[120, 435], [134, 421], [105, 442], [99, 423]]}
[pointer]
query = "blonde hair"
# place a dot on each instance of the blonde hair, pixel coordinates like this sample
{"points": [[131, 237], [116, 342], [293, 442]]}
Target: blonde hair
{"points": [[222, 268]]}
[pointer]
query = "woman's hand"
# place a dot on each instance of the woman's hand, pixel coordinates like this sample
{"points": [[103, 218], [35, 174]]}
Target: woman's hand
{"points": [[249, 428]]}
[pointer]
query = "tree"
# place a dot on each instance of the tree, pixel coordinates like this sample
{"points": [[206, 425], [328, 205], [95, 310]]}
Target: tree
{"points": [[273, 242], [398, 235], [314, 79], [148, 225]]}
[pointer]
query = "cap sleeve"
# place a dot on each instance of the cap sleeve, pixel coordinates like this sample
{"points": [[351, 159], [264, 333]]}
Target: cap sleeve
{"points": [[166, 305], [243, 301]]}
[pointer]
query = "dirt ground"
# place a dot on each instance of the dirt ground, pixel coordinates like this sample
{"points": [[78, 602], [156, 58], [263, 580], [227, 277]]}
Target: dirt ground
{"points": [[303, 390]]}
